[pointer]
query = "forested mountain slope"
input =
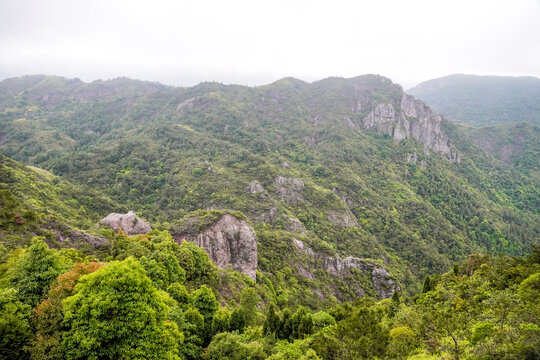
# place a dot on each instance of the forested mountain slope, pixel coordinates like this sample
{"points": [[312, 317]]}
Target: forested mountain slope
{"points": [[514, 145], [483, 100], [353, 166]]}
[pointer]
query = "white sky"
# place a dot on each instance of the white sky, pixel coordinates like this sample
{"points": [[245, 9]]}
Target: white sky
{"points": [[256, 42]]}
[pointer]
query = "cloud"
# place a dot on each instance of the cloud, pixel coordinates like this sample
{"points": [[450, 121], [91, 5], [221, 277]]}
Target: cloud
{"points": [[255, 42]]}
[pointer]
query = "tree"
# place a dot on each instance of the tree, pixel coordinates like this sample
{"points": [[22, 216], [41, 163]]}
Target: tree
{"points": [[194, 328], [427, 285], [48, 316], [179, 293], [117, 313], [238, 320], [35, 271], [248, 301], [230, 346], [220, 321], [402, 342], [15, 330], [271, 322], [204, 300], [306, 326]]}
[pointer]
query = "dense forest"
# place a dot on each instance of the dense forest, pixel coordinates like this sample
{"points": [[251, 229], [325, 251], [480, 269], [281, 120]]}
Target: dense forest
{"points": [[382, 230], [483, 100]]}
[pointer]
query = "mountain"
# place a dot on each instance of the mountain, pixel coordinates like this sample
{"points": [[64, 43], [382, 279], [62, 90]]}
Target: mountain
{"points": [[514, 145], [345, 174], [482, 100]]}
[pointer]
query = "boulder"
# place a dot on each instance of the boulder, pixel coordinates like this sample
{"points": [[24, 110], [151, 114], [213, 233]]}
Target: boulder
{"points": [[130, 223]]}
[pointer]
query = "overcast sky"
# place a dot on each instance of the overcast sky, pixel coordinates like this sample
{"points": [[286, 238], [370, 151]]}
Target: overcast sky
{"points": [[256, 42]]}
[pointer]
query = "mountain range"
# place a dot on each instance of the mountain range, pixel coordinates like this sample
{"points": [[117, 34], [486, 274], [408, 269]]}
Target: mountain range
{"points": [[483, 100], [347, 168]]}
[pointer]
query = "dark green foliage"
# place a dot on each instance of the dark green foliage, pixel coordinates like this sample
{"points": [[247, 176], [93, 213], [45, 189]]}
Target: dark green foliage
{"points": [[361, 335], [238, 320], [294, 161], [221, 321], [168, 152], [427, 285], [483, 100], [271, 322]]}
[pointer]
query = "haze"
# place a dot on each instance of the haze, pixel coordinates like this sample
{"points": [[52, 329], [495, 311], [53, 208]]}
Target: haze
{"points": [[255, 42]]}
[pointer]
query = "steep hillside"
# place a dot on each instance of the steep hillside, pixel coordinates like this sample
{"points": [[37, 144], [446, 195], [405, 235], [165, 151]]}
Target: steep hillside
{"points": [[346, 167], [515, 145], [35, 202], [483, 100]]}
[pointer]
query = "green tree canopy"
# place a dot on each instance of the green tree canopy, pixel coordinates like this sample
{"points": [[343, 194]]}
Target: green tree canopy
{"points": [[117, 313]]}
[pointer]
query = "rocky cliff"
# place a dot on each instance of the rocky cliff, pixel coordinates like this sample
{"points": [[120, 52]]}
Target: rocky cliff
{"points": [[335, 265], [413, 119], [229, 241], [130, 223]]}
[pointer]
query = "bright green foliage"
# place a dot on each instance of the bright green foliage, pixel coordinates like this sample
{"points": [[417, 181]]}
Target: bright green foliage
{"points": [[117, 313], [530, 288], [298, 350], [481, 331], [179, 293], [196, 263], [166, 152], [248, 301], [232, 347], [204, 300], [35, 271], [322, 319], [15, 332], [194, 332], [402, 342], [48, 316]]}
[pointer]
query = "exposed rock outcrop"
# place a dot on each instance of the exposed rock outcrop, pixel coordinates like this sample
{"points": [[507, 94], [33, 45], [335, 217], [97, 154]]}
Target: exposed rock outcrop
{"points": [[382, 282], [338, 266], [289, 189], [228, 241], [71, 238], [413, 119], [130, 223], [255, 187], [342, 218]]}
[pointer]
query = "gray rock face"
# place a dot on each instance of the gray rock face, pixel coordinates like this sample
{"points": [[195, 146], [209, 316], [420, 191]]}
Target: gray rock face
{"points": [[413, 119], [338, 266], [255, 187], [289, 189], [229, 241], [342, 218], [130, 223], [382, 282]]}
